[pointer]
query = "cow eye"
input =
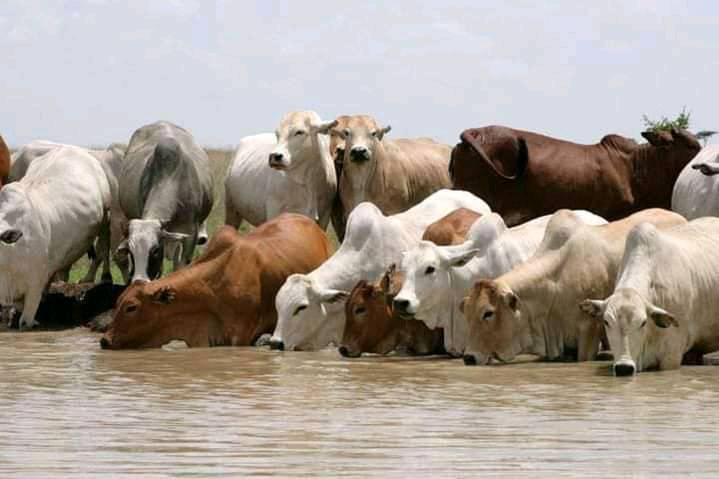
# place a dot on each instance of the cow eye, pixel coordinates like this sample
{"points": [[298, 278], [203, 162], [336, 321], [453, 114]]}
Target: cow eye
{"points": [[299, 133], [429, 270], [374, 133], [346, 132], [488, 315], [131, 308], [606, 323], [360, 310], [299, 308], [644, 323]]}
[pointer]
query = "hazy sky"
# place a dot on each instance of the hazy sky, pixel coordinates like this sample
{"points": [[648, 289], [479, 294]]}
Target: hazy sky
{"points": [[90, 72]]}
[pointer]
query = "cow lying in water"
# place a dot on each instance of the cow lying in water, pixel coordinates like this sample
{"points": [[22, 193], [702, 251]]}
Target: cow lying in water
{"points": [[371, 326], [665, 301], [524, 175], [533, 309], [226, 296]]}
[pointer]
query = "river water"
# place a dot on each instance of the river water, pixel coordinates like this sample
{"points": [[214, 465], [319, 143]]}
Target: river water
{"points": [[69, 409]]}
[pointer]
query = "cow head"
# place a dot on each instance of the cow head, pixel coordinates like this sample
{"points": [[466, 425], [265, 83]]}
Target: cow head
{"points": [[675, 139], [427, 270], [492, 312], [297, 135], [308, 316], [370, 326], [149, 315], [144, 248], [362, 135], [628, 321]]}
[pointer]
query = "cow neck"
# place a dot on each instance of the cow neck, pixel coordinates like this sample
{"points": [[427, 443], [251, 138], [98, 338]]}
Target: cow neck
{"points": [[533, 289], [654, 171]]}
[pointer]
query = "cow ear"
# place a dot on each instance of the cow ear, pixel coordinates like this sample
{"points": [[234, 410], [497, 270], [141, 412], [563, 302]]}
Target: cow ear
{"points": [[511, 300], [332, 296], [383, 131], [169, 235], [323, 128], [10, 236], [459, 259], [662, 318], [593, 307], [658, 138], [386, 281], [164, 295]]}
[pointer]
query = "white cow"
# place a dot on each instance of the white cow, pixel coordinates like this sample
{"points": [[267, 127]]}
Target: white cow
{"points": [[696, 191], [290, 171], [111, 162], [438, 277], [308, 314], [48, 220], [665, 301]]}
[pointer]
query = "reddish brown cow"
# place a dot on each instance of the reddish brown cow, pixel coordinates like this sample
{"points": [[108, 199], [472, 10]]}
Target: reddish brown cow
{"points": [[226, 296], [523, 175], [4, 162], [371, 326]]}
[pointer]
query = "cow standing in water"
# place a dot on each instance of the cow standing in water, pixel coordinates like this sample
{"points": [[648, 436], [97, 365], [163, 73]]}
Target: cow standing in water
{"points": [[166, 194], [523, 175]]}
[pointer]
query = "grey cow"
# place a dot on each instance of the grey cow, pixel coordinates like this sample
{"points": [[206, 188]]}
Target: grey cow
{"points": [[166, 194]]}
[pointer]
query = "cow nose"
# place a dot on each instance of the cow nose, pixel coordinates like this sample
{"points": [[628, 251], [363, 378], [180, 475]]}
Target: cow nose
{"points": [[624, 368], [359, 153], [469, 360], [277, 344], [104, 343], [401, 305], [276, 158]]}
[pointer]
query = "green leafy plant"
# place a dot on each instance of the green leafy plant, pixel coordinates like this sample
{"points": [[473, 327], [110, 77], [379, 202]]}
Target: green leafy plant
{"points": [[665, 124]]}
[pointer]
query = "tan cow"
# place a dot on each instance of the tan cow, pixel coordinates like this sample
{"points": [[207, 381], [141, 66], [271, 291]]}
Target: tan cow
{"points": [[226, 296], [371, 326], [393, 174], [534, 309]]}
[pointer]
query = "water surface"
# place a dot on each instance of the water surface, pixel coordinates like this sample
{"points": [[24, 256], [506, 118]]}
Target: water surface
{"points": [[69, 409]]}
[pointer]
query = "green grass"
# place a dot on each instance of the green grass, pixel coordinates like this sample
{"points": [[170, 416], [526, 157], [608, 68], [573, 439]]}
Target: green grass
{"points": [[219, 162]]}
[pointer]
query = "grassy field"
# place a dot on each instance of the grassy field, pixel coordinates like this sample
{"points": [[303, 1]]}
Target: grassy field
{"points": [[219, 162]]}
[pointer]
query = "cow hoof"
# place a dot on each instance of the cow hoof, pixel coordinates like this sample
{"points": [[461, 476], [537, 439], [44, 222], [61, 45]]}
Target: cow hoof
{"points": [[26, 325], [263, 340]]}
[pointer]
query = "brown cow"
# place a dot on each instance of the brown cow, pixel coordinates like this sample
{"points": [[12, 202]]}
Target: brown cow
{"points": [[226, 296], [523, 175], [371, 326], [4, 162]]}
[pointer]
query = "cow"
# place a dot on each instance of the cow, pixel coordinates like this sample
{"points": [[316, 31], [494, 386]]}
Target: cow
{"points": [[309, 306], [438, 277], [664, 303], [696, 191], [226, 296], [48, 220], [393, 174], [523, 175], [371, 326], [166, 193], [290, 171], [4, 162], [111, 162], [533, 309]]}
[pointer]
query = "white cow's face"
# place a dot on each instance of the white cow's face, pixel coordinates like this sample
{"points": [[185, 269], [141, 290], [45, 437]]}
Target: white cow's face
{"points": [[145, 248], [427, 270], [297, 134], [302, 317], [628, 321]]}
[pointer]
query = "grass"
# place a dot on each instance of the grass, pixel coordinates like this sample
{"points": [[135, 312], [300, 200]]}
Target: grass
{"points": [[219, 162]]}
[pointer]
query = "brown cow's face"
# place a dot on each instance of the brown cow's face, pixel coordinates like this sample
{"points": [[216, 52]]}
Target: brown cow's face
{"points": [[492, 313], [362, 135], [151, 315], [370, 326]]}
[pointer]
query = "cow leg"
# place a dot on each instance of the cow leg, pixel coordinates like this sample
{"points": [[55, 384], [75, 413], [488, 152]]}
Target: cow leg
{"points": [[588, 341], [62, 275], [188, 250], [30, 307], [103, 250], [232, 217], [94, 265]]}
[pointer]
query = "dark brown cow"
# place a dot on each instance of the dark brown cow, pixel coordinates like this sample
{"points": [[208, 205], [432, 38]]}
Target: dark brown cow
{"points": [[523, 175], [226, 296], [4, 162], [371, 326]]}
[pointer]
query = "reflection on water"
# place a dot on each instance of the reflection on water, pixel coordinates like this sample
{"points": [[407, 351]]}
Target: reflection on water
{"points": [[68, 409]]}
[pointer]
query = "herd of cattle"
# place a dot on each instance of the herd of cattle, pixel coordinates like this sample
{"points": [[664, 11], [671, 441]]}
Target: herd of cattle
{"points": [[509, 243]]}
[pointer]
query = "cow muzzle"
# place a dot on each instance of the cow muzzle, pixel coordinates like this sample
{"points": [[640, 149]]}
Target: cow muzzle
{"points": [[624, 367], [105, 343], [277, 344], [348, 353], [277, 161], [359, 154]]}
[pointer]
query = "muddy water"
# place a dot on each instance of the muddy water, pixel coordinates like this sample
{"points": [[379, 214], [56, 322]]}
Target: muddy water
{"points": [[68, 409]]}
